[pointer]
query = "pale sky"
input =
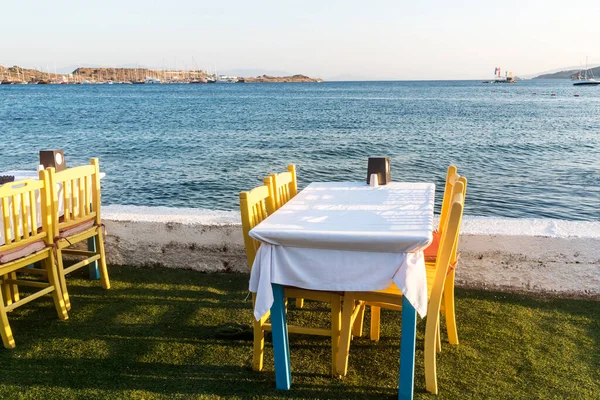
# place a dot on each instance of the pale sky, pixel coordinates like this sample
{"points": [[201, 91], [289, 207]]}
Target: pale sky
{"points": [[388, 40]]}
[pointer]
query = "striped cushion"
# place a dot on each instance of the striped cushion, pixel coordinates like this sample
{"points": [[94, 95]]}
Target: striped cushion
{"points": [[76, 229], [20, 252]]}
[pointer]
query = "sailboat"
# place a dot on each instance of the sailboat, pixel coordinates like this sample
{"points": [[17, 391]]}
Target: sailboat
{"points": [[21, 79], [586, 79]]}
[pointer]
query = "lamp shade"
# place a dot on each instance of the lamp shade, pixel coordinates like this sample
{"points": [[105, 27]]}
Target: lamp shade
{"points": [[53, 158], [381, 167]]}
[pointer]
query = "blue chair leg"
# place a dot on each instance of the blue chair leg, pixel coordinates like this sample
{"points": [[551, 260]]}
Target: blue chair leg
{"points": [[281, 346], [93, 267], [408, 340]]}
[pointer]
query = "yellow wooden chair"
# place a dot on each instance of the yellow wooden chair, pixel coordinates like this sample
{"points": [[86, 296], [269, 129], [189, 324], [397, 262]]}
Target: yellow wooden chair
{"points": [[392, 297], [448, 309], [25, 244], [78, 189], [255, 206]]}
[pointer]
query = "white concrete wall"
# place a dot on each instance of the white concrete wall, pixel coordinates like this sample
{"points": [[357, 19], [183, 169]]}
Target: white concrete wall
{"points": [[535, 256]]}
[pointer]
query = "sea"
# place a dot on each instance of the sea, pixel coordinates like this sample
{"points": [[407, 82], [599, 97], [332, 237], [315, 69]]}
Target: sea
{"points": [[528, 150]]}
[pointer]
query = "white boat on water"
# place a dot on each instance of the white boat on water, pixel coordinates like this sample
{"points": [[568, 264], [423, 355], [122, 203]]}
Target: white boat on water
{"points": [[586, 82], [227, 79], [151, 80], [586, 77], [498, 78]]}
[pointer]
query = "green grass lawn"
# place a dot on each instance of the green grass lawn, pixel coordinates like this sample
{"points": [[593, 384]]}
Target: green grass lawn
{"points": [[155, 334]]}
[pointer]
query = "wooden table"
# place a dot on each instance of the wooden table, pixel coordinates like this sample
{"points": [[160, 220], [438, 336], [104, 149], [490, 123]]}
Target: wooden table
{"points": [[346, 236]]}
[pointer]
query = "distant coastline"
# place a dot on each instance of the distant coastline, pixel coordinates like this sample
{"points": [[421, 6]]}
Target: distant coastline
{"points": [[16, 74], [567, 74]]}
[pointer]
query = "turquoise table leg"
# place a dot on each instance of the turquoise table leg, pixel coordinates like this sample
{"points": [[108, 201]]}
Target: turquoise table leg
{"points": [[93, 267], [408, 340], [281, 345]]}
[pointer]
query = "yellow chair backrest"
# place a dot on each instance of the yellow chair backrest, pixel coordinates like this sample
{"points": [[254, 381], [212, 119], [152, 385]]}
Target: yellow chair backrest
{"points": [[446, 255], [255, 206], [285, 186], [78, 189], [452, 177], [22, 222]]}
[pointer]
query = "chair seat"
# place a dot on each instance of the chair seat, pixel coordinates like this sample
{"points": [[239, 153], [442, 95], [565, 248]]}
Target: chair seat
{"points": [[20, 252], [76, 229], [316, 291], [430, 252], [393, 289]]}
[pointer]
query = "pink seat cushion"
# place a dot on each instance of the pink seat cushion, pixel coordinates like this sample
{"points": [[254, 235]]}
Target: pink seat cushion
{"points": [[20, 252], [430, 252], [76, 229]]}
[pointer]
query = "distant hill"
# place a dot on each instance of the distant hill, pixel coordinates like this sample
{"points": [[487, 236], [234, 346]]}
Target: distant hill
{"points": [[567, 74], [17, 74]]}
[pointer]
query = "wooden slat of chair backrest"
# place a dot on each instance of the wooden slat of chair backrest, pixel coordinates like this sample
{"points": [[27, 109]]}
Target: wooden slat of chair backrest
{"points": [[462, 190], [19, 212], [80, 195], [254, 206], [285, 186]]}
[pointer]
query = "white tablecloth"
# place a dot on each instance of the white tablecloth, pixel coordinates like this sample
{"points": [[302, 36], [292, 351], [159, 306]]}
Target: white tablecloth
{"points": [[22, 175], [347, 236]]}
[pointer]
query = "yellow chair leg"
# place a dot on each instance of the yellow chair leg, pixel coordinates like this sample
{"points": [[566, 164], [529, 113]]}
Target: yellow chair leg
{"points": [[375, 323], [14, 288], [357, 328], [6, 332], [299, 303], [102, 262], [6, 294], [259, 339], [430, 354], [62, 280], [344, 349], [57, 295], [336, 326], [450, 309], [259, 343]]}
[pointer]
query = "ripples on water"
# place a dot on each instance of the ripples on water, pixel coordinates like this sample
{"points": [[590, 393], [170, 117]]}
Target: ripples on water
{"points": [[525, 155]]}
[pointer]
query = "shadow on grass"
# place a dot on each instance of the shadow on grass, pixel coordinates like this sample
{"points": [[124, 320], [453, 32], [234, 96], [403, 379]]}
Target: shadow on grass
{"points": [[156, 331]]}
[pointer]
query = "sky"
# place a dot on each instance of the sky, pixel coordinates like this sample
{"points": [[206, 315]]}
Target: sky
{"points": [[334, 40]]}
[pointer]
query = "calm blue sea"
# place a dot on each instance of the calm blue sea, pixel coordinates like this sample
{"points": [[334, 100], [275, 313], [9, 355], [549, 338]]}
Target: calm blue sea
{"points": [[526, 153]]}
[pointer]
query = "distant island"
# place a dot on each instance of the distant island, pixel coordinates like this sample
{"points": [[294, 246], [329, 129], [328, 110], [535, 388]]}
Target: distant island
{"points": [[16, 74], [568, 74], [293, 78]]}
